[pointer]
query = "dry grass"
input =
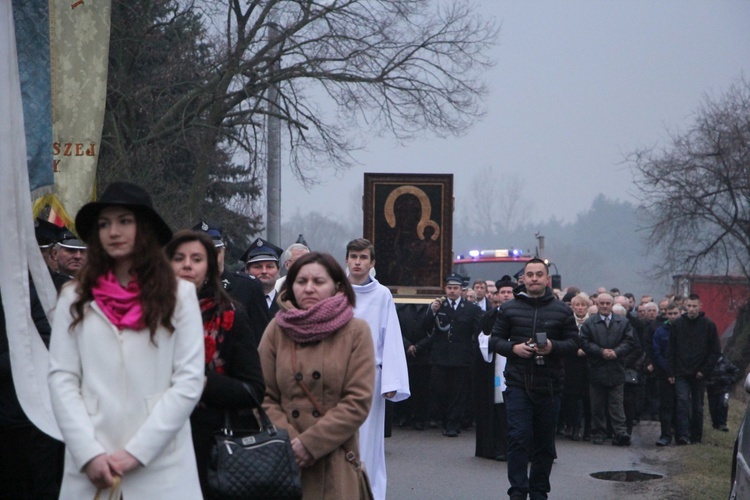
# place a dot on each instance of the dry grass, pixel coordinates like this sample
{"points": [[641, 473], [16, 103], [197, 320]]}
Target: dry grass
{"points": [[705, 470]]}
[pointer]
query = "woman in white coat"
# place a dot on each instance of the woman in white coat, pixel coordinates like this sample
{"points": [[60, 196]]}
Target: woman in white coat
{"points": [[126, 357]]}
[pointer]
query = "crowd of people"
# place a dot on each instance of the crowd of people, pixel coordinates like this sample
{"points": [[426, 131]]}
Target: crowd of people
{"points": [[146, 367], [154, 344], [526, 363]]}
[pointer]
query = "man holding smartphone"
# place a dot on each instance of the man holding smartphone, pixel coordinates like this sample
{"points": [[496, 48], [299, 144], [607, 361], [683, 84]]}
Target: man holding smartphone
{"points": [[534, 331]]}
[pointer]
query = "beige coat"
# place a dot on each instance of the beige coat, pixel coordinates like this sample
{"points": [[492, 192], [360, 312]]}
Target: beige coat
{"points": [[114, 389], [340, 373]]}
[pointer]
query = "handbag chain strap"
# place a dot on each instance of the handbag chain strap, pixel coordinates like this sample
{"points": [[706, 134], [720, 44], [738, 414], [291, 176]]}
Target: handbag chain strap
{"points": [[350, 456]]}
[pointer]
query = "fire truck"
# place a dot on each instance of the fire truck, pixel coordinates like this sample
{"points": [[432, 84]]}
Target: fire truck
{"points": [[493, 264]]}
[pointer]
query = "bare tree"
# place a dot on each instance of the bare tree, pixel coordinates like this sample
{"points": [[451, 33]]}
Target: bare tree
{"points": [[495, 202], [344, 70], [695, 190]]}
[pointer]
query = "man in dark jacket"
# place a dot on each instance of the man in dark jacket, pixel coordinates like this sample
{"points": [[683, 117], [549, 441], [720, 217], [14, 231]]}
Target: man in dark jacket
{"points": [[455, 325], [659, 350], [534, 331], [693, 351], [607, 339]]}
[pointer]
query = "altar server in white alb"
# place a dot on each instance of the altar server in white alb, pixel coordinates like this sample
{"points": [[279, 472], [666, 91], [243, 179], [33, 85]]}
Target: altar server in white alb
{"points": [[375, 305]]}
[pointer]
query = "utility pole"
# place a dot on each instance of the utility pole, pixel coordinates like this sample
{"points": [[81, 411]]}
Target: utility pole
{"points": [[273, 165], [540, 246]]}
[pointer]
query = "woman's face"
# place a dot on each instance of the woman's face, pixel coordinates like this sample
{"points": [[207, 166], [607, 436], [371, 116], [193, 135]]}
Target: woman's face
{"points": [[312, 285], [117, 232], [190, 262], [580, 308]]}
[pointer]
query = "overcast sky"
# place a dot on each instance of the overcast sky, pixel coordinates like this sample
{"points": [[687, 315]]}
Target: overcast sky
{"points": [[577, 85]]}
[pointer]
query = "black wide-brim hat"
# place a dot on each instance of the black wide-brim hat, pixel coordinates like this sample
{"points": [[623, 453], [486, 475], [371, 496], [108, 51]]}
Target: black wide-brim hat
{"points": [[122, 194]]}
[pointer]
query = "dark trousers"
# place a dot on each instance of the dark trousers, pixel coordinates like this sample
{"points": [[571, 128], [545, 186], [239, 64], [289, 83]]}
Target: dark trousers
{"points": [[666, 407], [532, 420], [32, 464], [630, 406], [609, 399], [651, 396], [417, 407], [718, 410], [576, 411], [690, 407], [451, 388]]}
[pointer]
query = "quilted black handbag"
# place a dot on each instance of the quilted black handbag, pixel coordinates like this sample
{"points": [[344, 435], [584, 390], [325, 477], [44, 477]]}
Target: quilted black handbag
{"points": [[257, 464]]}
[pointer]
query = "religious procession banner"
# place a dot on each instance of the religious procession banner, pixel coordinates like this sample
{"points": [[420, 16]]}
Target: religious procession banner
{"points": [[19, 253], [32, 44], [79, 50]]}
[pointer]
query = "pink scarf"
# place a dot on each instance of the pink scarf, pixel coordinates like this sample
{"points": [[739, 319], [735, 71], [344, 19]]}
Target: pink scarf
{"points": [[317, 323], [122, 306]]}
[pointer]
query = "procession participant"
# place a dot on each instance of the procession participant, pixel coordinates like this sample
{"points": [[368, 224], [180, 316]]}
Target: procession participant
{"points": [[454, 323], [375, 305], [243, 288], [534, 376], [489, 383], [319, 367], [126, 357], [262, 261], [70, 256], [232, 362]]}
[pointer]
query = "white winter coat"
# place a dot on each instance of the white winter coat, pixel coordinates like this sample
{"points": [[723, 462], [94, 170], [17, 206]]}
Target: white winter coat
{"points": [[114, 389]]}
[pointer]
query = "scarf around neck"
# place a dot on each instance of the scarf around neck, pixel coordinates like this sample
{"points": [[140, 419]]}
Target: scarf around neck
{"points": [[122, 306], [317, 323]]}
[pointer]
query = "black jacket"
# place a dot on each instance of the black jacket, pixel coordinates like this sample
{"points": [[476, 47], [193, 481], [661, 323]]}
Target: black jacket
{"points": [[693, 346], [248, 291], [595, 337], [452, 333], [518, 321]]}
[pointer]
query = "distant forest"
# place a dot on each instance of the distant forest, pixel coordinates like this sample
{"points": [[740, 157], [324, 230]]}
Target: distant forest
{"points": [[603, 247]]}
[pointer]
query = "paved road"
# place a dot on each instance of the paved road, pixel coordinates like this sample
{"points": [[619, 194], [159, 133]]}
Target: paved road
{"points": [[426, 465]]}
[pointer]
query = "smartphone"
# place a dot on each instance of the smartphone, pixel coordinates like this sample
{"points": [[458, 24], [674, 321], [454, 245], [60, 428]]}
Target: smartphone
{"points": [[541, 339]]}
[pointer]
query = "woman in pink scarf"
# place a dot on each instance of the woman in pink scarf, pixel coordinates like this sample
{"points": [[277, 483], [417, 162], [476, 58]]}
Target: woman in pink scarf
{"points": [[319, 369], [126, 357]]}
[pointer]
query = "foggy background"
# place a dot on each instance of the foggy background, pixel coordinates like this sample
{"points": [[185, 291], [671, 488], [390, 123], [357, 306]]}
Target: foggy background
{"points": [[578, 85]]}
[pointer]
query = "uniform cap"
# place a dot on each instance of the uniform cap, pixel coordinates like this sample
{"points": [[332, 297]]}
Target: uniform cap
{"points": [[213, 231], [261, 250], [70, 241], [454, 279]]}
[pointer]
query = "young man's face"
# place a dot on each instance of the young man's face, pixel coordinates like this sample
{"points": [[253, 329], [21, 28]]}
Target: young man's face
{"points": [[693, 308], [359, 264], [504, 294], [535, 277], [481, 290], [673, 314], [453, 292]]}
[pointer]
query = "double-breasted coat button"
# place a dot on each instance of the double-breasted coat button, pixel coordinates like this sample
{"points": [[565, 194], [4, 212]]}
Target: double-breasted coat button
{"points": [[316, 375], [298, 376], [315, 413], [295, 413]]}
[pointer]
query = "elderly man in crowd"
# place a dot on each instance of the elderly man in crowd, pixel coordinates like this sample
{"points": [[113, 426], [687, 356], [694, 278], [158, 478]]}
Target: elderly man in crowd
{"points": [[607, 339]]}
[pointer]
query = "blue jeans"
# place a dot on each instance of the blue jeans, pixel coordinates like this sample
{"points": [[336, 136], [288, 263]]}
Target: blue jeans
{"points": [[689, 391], [532, 421]]}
